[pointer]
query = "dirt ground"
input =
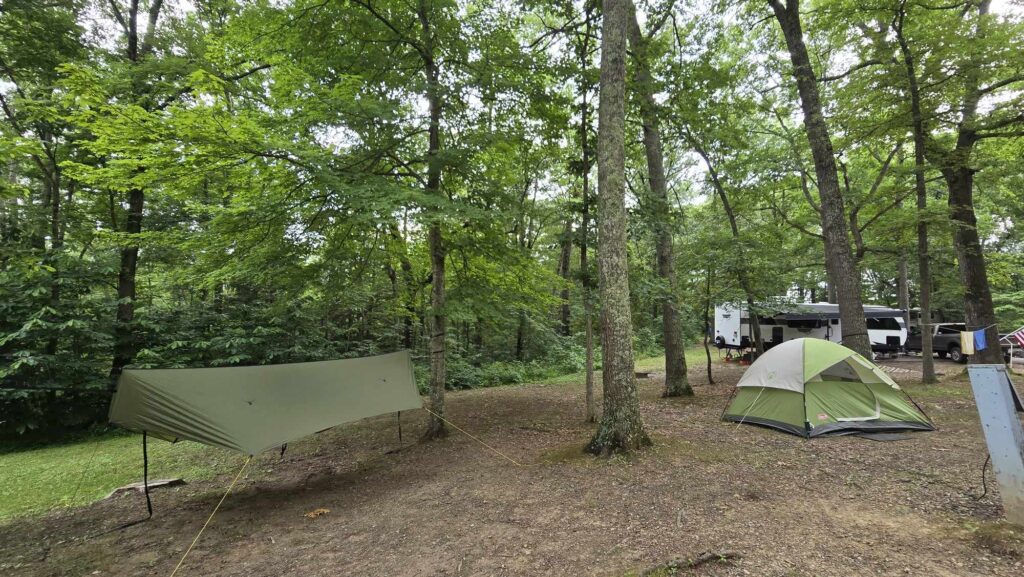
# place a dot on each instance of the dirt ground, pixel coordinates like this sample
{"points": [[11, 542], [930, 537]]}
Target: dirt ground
{"points": [[781, 504]]}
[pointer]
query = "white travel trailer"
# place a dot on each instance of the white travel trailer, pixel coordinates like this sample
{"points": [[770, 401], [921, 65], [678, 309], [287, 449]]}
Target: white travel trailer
{"points": [[886, 327]]}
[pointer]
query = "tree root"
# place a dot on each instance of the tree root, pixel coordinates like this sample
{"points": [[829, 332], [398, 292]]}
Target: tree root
{"points": [[676, 565]]}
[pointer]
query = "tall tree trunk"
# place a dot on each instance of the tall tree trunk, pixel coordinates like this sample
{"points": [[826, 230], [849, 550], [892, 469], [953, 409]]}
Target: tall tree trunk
{"points": [[621, 428], [707, 325], [839, 261], [124, 331], [676, 383], [741, 273], [978, 306], [521, 337], [903, 288], [56, 245], [408, 295], [924, 281], [586, 280], [438, 327], [564, 271], [959, 175]]}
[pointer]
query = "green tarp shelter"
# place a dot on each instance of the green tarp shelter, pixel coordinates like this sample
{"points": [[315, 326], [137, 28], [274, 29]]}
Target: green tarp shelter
{"points": [[253, 409], [814, 387]]}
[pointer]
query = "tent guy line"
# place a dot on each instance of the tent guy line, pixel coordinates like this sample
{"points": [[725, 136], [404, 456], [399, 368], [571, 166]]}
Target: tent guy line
{"points": [[463, 431], [210, 518]]}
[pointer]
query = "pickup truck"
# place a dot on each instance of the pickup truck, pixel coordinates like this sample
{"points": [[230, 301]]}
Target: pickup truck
{"points": [[945, 341]]}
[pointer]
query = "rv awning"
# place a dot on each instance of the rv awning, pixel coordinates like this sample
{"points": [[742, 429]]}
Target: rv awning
{"points": [[831, 311], [253, 409]]}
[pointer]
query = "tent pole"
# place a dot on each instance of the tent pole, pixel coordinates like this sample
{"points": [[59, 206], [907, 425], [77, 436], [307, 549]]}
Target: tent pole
{"points": [[398, 416], [930, 421]]}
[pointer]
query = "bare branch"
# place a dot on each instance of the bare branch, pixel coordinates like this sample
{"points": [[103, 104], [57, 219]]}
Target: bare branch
{"points": [[861, 66], [118, 16], [154, 15], [402, 36]]}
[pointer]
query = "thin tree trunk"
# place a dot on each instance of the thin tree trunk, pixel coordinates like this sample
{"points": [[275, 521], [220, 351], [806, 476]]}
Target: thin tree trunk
{"points": [[564, 271], [676, 383], [903, 288], [438, 326], [621, 428], [521, 336], [741, 273], [124, 329], [586, 280], [921, 191], [407, 294], [56, 245], [124, 333], [707, 325], [839, 261]]}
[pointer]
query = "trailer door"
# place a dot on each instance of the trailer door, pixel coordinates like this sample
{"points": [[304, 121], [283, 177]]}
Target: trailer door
{"points": [[727, 324]]}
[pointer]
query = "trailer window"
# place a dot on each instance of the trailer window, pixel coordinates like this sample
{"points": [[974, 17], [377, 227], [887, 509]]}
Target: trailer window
{"points": [[883, 324], [804, 324]]}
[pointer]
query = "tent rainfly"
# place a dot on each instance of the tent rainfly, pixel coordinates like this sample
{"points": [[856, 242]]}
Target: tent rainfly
{"points": [[813, 387], [254, 409]]}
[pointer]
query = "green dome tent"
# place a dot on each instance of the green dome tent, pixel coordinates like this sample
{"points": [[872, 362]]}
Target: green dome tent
{"points": [[814, 387]]}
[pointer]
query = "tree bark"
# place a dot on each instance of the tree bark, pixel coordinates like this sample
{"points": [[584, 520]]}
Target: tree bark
{"points": [[438, 326], [978, 306], [839, 261], [959, 176], [56, 246], [521, 337], [564, 271], [124, 329], [741, 273], [707, 325], [124, 332], [586, 280], [621, 428], [903, 288], [676, 383]]}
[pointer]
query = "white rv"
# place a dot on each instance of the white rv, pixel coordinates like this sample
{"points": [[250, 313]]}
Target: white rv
{"points": [[886, 328]]}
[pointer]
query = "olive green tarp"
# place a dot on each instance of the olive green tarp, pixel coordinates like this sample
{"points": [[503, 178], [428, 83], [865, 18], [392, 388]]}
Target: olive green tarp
{"points": [[813, 387], [253, 409]]}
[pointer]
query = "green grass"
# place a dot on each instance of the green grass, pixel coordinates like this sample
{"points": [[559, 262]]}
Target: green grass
{"points": [[34, 480], [695, 357], [37, 479]]}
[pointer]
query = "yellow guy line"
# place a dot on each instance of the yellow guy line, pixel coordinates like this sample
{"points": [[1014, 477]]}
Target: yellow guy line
{"points": [[456, 427], [210, 518]]}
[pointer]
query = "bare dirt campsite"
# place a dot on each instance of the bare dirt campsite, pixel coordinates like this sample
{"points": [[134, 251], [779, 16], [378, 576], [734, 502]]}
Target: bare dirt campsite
{"points": [[734, 499]]}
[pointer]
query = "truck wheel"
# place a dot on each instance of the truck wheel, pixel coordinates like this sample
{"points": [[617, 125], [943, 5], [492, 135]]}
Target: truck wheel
{"points": [[942, 354], [956, 356]]}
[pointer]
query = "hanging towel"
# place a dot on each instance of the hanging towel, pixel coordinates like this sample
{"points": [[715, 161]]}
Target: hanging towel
{"points": [[979, 340], [967, 342]]}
